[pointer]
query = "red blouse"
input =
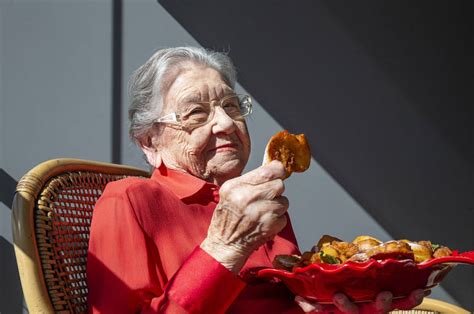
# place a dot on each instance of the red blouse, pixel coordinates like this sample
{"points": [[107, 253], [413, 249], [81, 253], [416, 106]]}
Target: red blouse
{"points": [[144, 253]]}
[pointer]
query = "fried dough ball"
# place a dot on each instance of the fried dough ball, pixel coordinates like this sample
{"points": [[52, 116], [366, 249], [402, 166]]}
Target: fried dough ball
{"points": [[291, 150], [421, 250], [442, 251], [391, 249], [426, 244], [359, 258], [346, 249], [365, 242], [331, 250]]}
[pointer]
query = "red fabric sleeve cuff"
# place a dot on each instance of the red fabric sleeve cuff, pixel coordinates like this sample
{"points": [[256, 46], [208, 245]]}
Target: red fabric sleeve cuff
{"points": [[203, 285]]}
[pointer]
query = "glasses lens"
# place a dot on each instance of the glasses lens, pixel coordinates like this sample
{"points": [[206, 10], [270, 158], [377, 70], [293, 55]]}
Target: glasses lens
{"points": [[236, 107], [196, 114], [245, 105], [232, 106]]}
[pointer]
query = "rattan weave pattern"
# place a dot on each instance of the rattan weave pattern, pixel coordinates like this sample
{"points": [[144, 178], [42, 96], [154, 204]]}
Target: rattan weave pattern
{"points": [[62, 221]]}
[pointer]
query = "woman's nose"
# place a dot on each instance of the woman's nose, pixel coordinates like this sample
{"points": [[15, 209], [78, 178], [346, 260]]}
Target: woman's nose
{"points": [[222, 122]]}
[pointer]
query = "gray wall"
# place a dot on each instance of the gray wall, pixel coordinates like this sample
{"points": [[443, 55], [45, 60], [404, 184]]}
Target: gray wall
{"points": [[55, 101], [55, 98]]}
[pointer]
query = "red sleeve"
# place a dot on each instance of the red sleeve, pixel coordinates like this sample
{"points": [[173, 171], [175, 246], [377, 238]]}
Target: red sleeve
{"points": [[123, 270]]}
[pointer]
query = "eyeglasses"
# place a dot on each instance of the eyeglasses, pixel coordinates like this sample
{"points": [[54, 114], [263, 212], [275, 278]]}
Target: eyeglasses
{"points": [[201, 112]]}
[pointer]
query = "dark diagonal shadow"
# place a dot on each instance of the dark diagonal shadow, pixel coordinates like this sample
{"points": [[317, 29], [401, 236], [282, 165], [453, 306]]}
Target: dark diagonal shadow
{"points": [[10, 287], [7, 188]]}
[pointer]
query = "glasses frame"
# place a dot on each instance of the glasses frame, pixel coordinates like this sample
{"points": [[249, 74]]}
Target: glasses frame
{"points": [[175, 117]]}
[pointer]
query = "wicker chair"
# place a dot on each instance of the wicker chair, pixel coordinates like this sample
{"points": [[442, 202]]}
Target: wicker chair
{"points": [[432, 306], [52, 211]]}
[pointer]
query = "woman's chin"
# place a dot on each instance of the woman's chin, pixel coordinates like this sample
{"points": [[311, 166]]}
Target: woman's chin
{"points": [[226, 168]]}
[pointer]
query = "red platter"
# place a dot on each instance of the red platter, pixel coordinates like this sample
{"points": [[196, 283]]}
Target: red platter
{"points": [[363, 281]]}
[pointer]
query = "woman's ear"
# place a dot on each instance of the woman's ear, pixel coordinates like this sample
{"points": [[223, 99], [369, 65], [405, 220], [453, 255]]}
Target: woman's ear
{"points": [[151, 152]]}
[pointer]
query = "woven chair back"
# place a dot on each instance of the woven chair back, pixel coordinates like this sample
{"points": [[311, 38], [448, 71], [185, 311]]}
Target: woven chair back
{"points": [[51, 221], [63, 221]]}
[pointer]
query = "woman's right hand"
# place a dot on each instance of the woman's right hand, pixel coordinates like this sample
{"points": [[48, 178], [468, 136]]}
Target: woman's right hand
{"points": [[251, 211]]}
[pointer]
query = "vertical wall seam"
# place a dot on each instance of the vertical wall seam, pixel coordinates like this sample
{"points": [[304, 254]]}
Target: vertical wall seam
{"points": [[117, 19]]}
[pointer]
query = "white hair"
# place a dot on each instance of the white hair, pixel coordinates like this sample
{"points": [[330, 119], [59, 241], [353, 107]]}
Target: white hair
{"points": [[152, 80]]}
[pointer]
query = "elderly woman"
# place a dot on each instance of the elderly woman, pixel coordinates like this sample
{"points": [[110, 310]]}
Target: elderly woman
{"points": [[184, 240]]}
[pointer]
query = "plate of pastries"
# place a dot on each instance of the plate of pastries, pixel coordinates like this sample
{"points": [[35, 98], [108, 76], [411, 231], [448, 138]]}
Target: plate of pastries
{"points": [[361, 268], [364, 267]]}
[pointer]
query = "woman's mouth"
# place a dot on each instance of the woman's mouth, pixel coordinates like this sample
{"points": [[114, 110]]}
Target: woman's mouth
{"points": [[225, 147]]}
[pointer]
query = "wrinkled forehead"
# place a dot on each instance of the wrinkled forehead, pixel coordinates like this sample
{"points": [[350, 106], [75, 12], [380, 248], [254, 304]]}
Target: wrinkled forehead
{"points": [[196, 84]]}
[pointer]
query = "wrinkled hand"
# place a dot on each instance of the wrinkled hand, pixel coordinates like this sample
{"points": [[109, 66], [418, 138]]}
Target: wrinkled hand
{"points": [[383, 303], [250, 212]]}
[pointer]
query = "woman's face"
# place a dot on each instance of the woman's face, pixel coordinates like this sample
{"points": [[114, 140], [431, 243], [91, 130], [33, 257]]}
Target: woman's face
{"points": [[216, 151]]}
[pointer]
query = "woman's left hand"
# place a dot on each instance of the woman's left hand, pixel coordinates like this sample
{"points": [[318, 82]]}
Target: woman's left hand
{"points": [[383, 303]]}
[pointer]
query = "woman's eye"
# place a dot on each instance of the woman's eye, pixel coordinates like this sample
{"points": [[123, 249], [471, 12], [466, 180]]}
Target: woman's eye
{"points": [[197, 114], [197, 111], [231, 105]]}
